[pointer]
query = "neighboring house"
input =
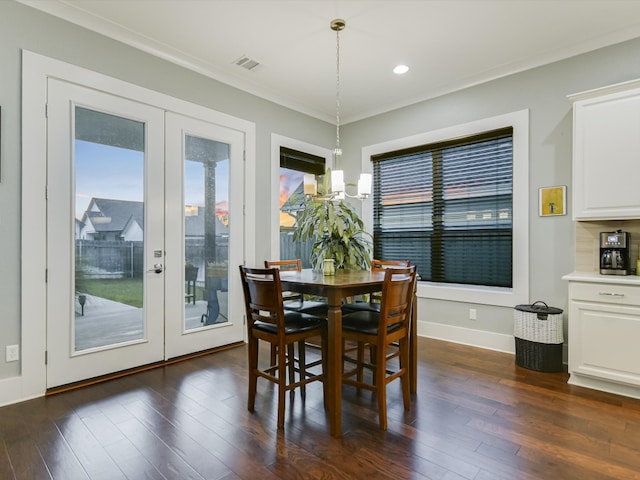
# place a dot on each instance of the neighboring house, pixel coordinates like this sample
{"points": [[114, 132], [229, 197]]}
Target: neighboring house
{"points": [[123, 220], [80, 226], [293, 204], [109, 219]]}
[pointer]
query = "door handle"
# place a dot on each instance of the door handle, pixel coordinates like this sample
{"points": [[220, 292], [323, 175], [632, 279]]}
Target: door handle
{"points": [[157, 268]]}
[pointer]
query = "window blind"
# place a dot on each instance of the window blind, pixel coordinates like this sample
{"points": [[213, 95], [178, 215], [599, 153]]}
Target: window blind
{"points": [[301, 161], [447, 207]]}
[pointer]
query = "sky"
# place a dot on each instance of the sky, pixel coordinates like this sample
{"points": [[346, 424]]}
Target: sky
{"points": [[290, 180], [104, 171]]}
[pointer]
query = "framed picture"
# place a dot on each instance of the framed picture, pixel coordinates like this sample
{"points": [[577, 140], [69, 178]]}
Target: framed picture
{"points": [[553, 201]]}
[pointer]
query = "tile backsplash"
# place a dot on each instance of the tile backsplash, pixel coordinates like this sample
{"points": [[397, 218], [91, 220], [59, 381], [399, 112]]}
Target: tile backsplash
{"points": [[588, 242]]}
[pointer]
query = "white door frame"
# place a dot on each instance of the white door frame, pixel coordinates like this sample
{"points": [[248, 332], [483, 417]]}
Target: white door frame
{"points": [[36, 69]]}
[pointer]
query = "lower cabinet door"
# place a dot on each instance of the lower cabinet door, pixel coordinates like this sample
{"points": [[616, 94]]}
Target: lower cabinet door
{"points": [[603, 341]]}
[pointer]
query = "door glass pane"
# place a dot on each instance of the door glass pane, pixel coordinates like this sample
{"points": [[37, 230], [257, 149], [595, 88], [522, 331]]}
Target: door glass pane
{"points": [[206, 232], [109, 229]]}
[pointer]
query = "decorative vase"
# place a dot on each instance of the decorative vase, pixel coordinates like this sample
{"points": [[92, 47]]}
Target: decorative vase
{"points": [[329, 266]]}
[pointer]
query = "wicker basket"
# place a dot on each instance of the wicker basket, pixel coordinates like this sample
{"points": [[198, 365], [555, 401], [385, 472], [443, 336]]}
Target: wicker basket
{"points": [[539, 336]]}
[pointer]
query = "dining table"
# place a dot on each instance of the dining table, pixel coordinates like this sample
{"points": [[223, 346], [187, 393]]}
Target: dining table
{"points": [[336, 288]]}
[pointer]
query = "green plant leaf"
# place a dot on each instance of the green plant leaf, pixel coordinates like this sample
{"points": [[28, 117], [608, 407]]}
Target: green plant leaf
{"points": [[336, 230]]}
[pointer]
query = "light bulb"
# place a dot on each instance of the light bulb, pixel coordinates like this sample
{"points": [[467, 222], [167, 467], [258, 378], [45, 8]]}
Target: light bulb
{"points": [[364, 184], [337, 181]]}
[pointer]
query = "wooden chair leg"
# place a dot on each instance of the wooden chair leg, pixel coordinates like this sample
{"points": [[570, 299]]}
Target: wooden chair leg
{"points": [[302, 367], [381, 386], [253, 378], [291, 357], [404, 364], [325, 369], [373, 354], [272, 357], [282, 383], [360, 365]]}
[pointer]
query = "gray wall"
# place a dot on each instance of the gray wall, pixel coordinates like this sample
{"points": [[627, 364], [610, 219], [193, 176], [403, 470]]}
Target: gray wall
{"points": [[22, 27], [542, 90]]}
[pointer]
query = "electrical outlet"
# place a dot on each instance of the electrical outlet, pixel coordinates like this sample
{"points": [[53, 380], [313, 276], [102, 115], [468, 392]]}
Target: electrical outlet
{"points": [[12, 353], [472, 314]]}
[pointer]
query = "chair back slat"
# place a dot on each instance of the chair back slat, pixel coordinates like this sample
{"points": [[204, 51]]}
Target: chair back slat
{"points": [[291, 265], [263, 295], [380, 264], [397, 297], [375, 263]]}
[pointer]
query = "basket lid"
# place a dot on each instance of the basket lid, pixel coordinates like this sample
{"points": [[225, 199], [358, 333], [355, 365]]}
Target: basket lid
{"points": [[539, 307]]}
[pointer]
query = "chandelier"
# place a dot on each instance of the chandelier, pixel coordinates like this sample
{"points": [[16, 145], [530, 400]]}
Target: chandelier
{"points": [[338, 187]]}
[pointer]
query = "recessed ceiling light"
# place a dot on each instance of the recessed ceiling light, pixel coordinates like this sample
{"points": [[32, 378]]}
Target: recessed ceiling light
{"points": [[400, 69]]}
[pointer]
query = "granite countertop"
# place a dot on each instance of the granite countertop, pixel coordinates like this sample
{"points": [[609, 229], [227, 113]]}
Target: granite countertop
{"points": [[593, 277]]}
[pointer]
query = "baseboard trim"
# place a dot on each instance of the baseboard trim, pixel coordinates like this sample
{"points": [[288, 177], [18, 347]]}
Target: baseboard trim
{"points": [[11, 391], [604, 385], [142, 368], [467, 336]]}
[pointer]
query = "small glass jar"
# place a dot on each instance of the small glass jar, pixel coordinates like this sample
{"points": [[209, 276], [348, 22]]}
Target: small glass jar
{"points": [[329, 267]]}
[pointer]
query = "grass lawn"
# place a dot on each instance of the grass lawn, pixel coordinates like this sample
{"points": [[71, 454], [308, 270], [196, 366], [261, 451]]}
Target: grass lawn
{"points": [[123, 290]]}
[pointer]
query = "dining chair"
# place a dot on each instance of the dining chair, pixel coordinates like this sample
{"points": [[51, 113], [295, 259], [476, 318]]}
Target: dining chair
{"points": [[374, 299], [381, 330], [293, 300], [268, 321]]}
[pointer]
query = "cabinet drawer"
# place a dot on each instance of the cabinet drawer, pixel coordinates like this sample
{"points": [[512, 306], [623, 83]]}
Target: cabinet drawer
{"points": [[605, 293]]}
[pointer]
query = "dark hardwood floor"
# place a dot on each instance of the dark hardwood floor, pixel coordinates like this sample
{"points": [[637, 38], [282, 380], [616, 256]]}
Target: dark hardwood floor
{"points": [[476, 416]]}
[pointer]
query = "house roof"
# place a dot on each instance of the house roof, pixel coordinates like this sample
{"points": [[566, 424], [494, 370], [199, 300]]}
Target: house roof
{"points": [[295, 202], [110, 215]]}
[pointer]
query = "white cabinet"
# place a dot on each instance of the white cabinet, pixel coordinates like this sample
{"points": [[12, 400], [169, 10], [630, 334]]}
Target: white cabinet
{"points": [[604, 337], [606, 153]]}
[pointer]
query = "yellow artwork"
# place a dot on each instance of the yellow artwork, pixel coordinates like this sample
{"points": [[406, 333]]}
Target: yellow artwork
{"points": [[553, 201]]}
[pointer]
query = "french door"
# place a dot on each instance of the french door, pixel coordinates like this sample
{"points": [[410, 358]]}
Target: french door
{"points": [[205, 228], [140, 220]]}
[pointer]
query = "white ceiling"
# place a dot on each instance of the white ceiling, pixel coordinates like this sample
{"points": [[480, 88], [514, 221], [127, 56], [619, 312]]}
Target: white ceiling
{"points": [[449, 44]]}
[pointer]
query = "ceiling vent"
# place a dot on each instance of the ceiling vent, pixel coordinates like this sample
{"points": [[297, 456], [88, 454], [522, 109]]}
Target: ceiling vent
{"points": [[247, 63]]}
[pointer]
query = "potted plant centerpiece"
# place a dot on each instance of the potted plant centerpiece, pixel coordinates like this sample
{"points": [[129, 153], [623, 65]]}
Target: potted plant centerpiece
{"points": [[336, 230]]}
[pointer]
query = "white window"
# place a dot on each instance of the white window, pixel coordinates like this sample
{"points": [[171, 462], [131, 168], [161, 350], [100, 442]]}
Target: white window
{"points": [[512, 220]]}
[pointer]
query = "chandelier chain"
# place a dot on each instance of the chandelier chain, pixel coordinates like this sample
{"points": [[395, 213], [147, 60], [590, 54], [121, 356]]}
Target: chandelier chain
{"points": [[338, 191], [337, 91]]}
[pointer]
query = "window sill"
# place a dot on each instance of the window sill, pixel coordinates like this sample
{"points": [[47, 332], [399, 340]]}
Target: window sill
{"points": [[495, 296]]}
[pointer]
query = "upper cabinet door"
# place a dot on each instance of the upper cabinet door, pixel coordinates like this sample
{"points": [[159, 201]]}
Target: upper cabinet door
{"points": [[606, 153]]}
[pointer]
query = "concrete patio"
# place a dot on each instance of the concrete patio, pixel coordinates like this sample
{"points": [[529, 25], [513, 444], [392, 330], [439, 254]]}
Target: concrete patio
{"points": [[106, 322]]}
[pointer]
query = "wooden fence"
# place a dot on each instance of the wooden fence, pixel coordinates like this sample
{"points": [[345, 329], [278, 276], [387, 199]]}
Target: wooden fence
{"points": [[290, 249]]}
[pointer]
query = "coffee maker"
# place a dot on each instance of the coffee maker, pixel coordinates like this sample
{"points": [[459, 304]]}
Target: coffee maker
{"points": [[614, 253]]}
